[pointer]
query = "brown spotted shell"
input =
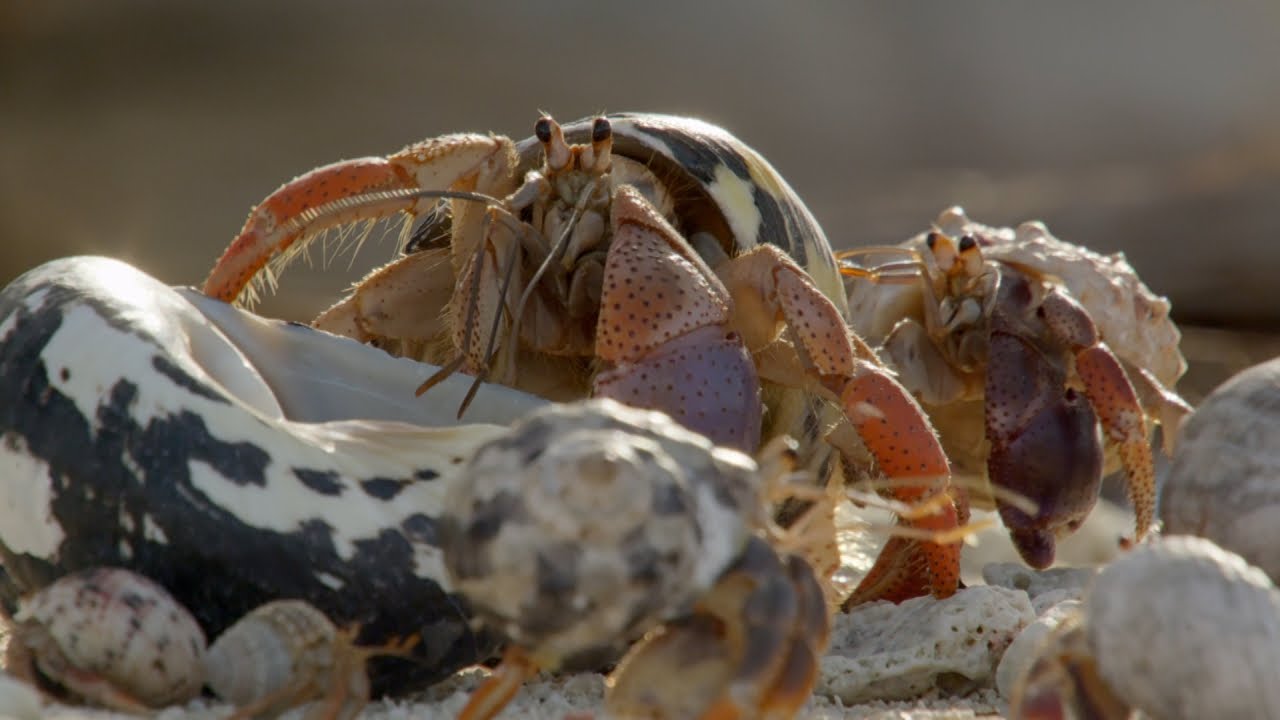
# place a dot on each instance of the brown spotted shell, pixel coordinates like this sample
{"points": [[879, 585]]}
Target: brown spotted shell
{"points": [[278, 643], [591, 522], [119, 625]]}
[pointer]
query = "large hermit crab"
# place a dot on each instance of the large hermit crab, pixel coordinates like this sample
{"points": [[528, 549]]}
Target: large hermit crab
{"points": [[651, 259], [1021, 347]]}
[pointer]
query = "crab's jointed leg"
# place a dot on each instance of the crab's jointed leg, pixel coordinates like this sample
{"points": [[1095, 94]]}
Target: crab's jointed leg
{"points": [[362, 189], [749, 650], [678, 336], [498, 689]]}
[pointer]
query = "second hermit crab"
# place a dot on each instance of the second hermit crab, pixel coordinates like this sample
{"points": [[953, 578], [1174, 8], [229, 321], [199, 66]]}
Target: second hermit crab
{"points": [[655, 260], [1042, 363]]}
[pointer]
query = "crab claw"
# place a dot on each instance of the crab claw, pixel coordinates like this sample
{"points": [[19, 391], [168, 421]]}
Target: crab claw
{"points": [[890, 422], [750, 649], [1114, 399], [663, 331], [354, 190], [1044, 446]]}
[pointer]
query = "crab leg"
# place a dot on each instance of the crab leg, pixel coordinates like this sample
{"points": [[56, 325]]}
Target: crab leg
{"points": [[887, 418], [362, 189], [676, 336], [497, 690]]}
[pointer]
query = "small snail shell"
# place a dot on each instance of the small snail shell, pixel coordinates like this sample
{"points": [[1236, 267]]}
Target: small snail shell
{"points": [[1183, 629], [1224, 483], [276, 645], [590, 522], [120, 627]]}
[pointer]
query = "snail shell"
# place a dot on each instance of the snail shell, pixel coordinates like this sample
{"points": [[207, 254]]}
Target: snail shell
{"points": [[1224, 482], [275, 645], [120, 626], [591, 522], [1183, 629]]}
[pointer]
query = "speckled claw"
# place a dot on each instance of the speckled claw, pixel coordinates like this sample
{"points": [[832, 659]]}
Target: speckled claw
{"points": [[750, 650]]}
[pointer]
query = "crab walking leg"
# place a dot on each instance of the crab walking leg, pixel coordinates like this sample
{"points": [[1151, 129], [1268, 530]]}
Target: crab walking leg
{"points": [[1115, 401], [353, 190], [890, 422], [497, 690], [750, 649]]}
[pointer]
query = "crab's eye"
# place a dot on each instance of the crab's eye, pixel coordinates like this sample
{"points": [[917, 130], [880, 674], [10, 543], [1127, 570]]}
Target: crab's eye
{"points": [[601, 130], [932, 239], [542, 129], [967, 243]]}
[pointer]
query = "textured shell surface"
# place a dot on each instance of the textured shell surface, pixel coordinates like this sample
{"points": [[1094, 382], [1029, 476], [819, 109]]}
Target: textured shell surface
{"points": [[591, 522], [1184, 629], [142, 427], [756, 201], [122, 626], [1132, 319], [1224, 482], [268, 648]]}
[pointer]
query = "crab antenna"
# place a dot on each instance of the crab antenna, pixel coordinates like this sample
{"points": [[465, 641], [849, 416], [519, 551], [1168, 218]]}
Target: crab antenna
{"points": [[553, 256], [915, 263], [483, 373]]}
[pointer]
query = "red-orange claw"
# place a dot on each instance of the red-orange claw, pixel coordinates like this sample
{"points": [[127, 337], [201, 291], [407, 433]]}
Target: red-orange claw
{"points": [[272, 226], [898, 434], [896, 431]]}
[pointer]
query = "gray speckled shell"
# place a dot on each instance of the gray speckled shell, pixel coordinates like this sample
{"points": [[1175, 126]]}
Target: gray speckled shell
{"points": [[1183, 629], [267, 649], [1224, 483], [122, 626], [590, 523]]}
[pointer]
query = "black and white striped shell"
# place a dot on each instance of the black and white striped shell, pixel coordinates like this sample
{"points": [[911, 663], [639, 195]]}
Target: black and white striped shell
{"points": [[701, 163], [118, 625], [233, 459], [590, 523], [273, 646]]}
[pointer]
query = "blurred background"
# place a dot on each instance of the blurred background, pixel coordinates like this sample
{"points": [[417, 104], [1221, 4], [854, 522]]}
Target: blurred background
{"points": [[146, 130]]}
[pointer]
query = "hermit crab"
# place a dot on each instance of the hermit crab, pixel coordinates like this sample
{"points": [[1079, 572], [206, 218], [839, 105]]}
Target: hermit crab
{"points": [[629, 525], [1041, 363], [287, 653], [655, 260], [110, 637]]}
